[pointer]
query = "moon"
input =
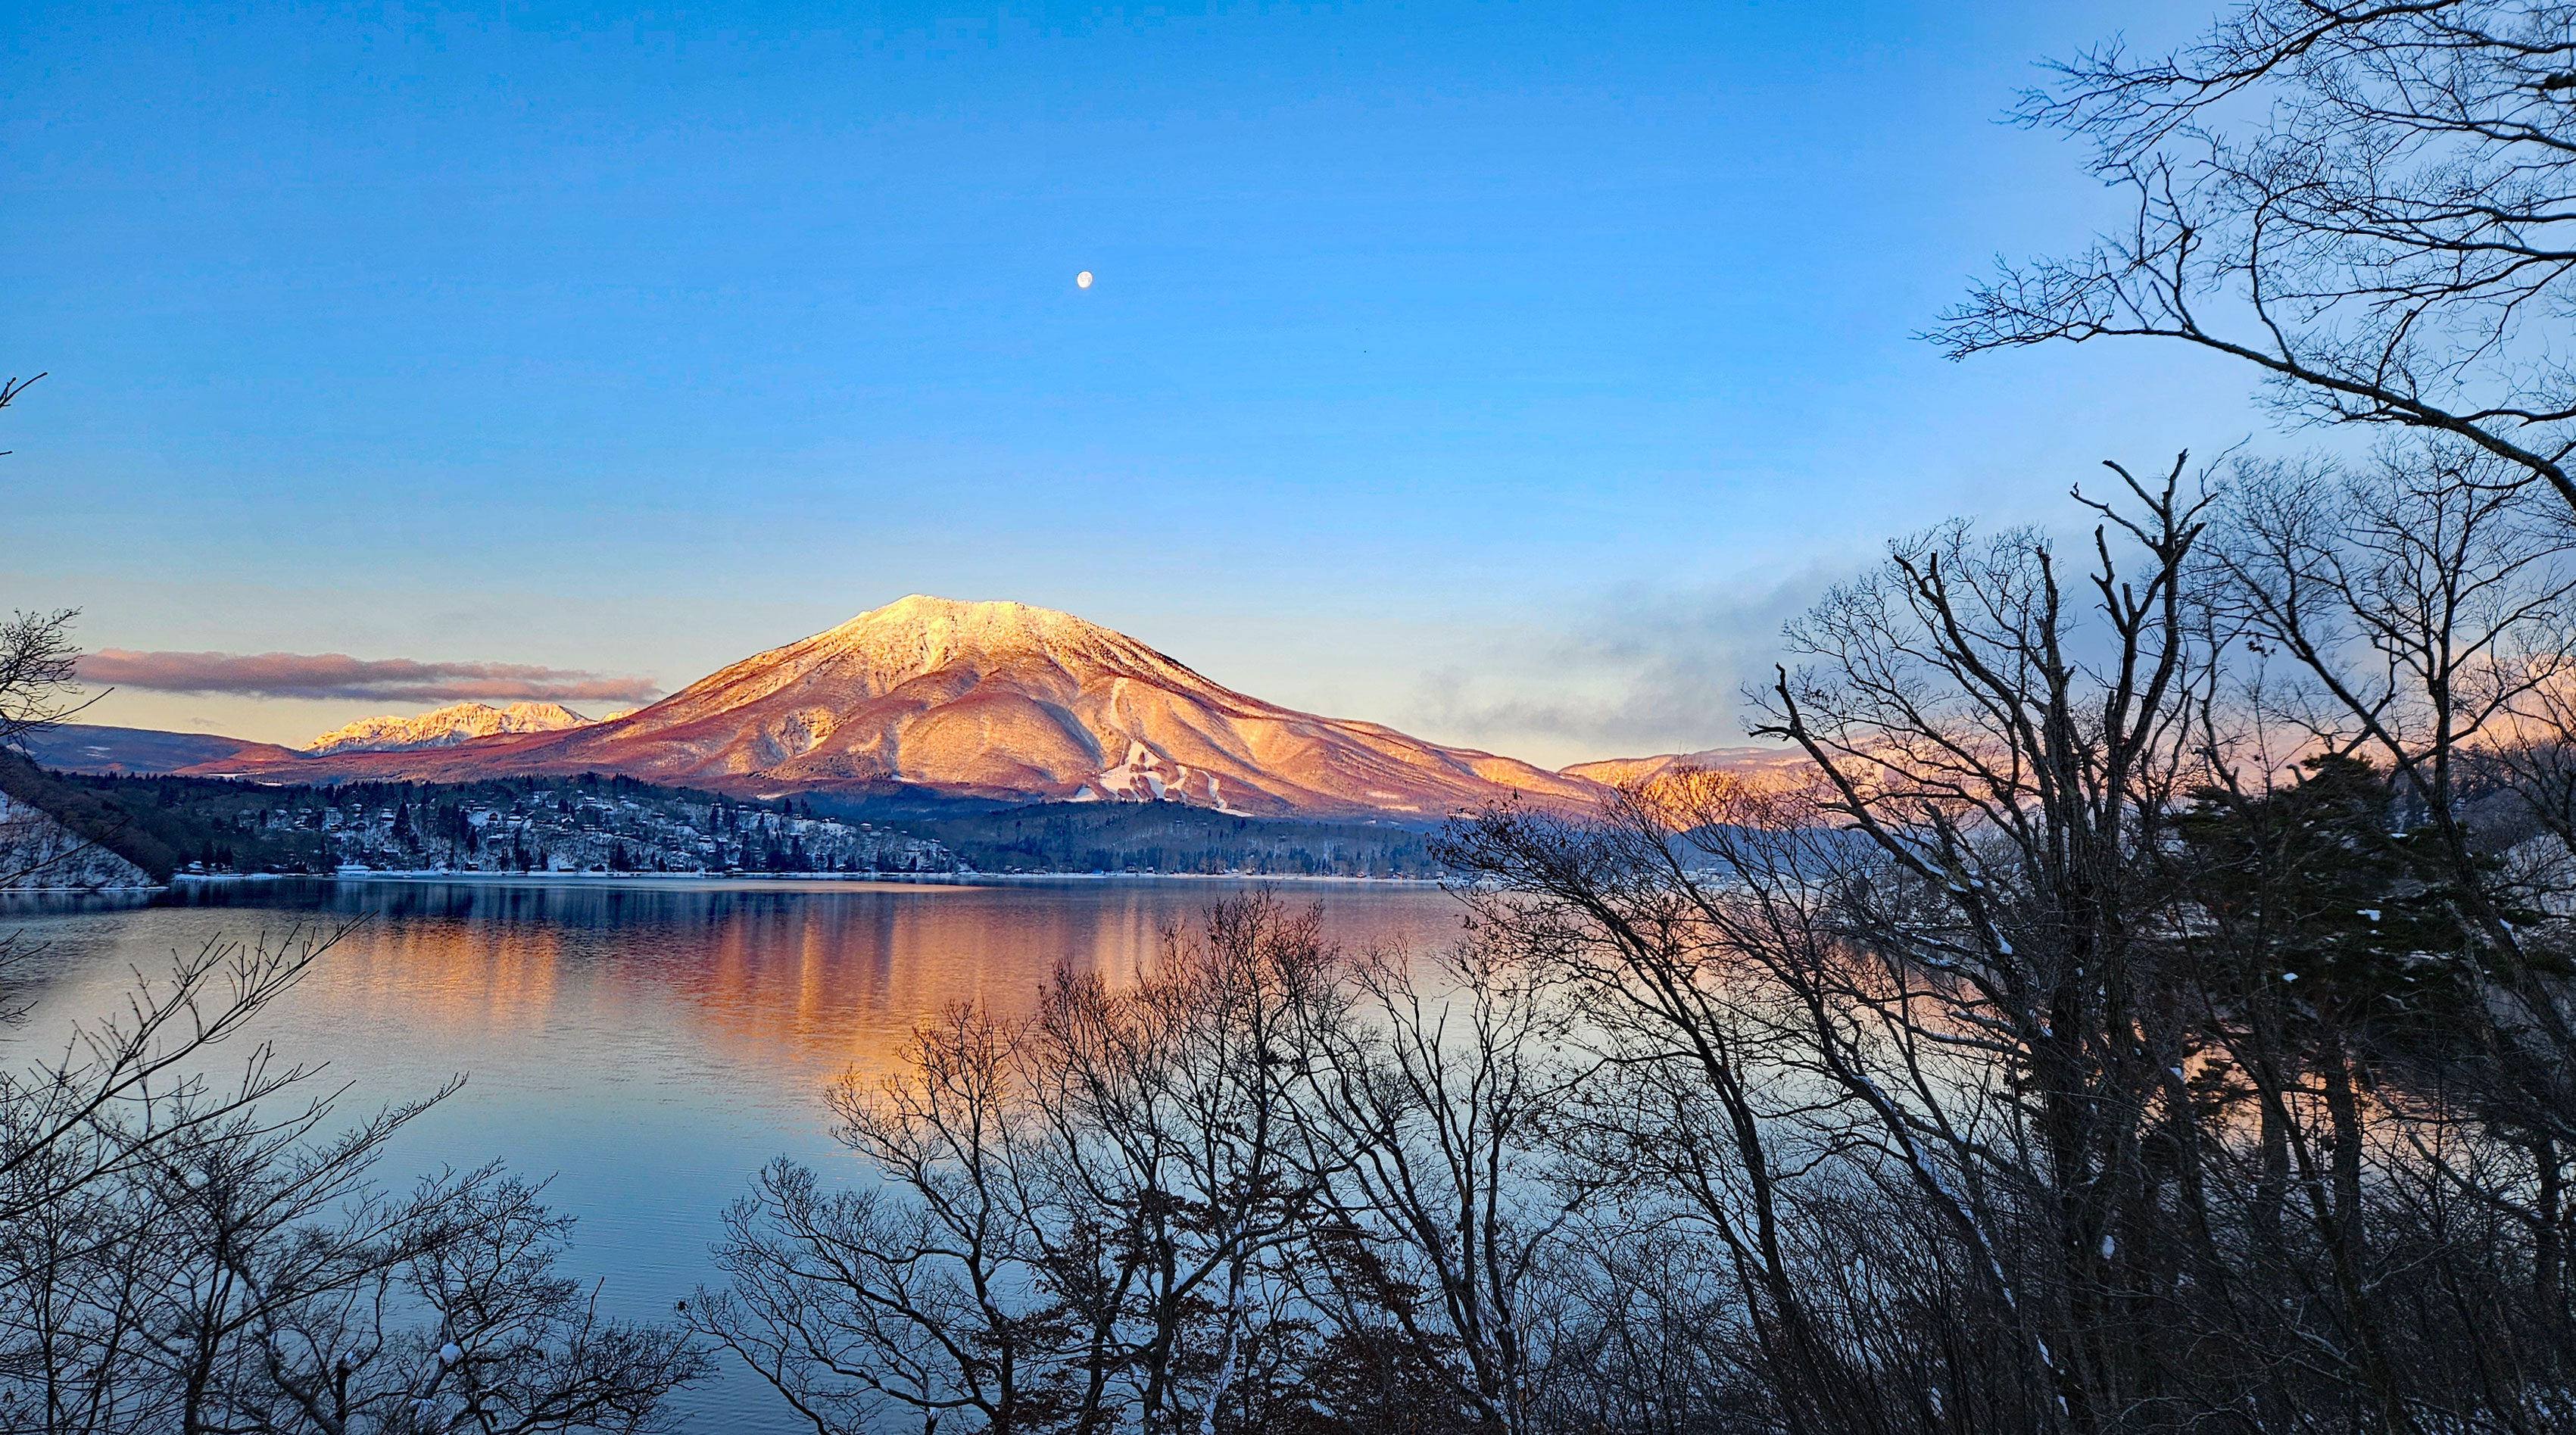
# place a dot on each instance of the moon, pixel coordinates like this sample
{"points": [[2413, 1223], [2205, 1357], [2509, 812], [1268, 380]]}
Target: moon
{"points": [[1082, 280]]}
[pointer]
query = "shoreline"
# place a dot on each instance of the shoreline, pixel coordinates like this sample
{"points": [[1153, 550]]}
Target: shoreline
{"points": [[819, 879]]}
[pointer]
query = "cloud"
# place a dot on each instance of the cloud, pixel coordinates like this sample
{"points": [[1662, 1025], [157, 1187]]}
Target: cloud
{"points": [[1641, 669], [337, 675]]}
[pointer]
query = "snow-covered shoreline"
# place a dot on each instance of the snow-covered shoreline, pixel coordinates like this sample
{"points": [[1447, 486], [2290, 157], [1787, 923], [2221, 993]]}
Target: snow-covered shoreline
{"points": [[836, 879], [83, 891]]}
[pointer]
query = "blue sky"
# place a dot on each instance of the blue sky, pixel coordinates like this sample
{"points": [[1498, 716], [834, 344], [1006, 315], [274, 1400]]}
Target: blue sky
{"points": [[1504, 372]]}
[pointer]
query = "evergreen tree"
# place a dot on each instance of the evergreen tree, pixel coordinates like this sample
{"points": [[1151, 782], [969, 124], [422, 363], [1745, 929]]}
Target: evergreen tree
{"points": [[2324, 918]]}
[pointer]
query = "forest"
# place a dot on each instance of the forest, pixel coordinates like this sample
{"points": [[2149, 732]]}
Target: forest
{"points": [[222, 827]]}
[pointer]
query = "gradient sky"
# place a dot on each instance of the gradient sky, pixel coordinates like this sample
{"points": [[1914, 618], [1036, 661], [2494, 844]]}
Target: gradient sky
{"points": [[1503, 372]]}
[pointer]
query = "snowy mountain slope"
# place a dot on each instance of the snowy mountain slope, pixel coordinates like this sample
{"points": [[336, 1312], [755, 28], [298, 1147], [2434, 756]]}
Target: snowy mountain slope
{"points": [[998, 700], [446, 727]]}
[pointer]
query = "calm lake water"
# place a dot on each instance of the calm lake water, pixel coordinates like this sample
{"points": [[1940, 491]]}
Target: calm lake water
{"points": [[647, 1044]]}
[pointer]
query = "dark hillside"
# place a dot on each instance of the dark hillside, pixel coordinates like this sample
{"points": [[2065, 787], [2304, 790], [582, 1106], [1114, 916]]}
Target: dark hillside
{"points": [[161, 824], [1176, 837], [88, 814]]}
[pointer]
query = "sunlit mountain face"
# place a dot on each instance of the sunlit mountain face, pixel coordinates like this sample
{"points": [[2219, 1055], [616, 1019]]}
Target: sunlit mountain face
{"points": [[991, 700], [1629, 771], [446, 727]]}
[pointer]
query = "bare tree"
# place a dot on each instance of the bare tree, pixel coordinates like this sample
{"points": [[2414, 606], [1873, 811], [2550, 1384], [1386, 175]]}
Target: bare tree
{"points": [[37, 657], [200, 1257], [2422, 610], [1700, 1100], [2419, 611], [1169, 1112], [1434, 1124], [38, 688], [931, 1294], [2140, 1019], [37, 666], [2373, 204], [1084, 1212]]}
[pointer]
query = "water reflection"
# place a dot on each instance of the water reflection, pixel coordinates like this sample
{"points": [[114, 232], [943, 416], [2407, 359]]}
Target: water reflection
{"points": [[652, 1043], [803, 977]]}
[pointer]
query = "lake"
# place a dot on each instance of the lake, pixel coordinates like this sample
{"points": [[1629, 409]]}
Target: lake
{"points": [[647, 1043]]}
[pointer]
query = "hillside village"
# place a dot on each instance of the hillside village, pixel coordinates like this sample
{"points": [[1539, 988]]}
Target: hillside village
{"points": [[170, 826], [149, 829], [607, 826]]}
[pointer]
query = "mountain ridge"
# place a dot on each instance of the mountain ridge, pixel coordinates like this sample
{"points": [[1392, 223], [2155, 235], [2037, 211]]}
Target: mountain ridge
{"points": [[990, 701], [1628, 771], [445, 727]]}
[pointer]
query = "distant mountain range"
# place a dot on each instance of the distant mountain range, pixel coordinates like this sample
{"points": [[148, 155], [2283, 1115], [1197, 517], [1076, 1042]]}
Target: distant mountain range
{"points": [[992, 701], [1622, 771], [83, 747], [446, 727]]}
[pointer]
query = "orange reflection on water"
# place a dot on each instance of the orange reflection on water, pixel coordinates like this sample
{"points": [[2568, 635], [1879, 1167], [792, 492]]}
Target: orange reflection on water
{"points": [[745, 993], [448, 975], [781, 982]]}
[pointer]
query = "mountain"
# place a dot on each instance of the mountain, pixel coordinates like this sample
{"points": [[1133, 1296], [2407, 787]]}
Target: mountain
{"points": [[83, 747], [998, 701], [1625, 771], [446, 727]]}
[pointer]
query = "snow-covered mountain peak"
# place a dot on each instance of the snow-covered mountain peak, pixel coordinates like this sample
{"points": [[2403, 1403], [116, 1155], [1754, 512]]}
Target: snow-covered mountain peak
{"points": [[921, 643], [921, 633], [446, 727]]}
